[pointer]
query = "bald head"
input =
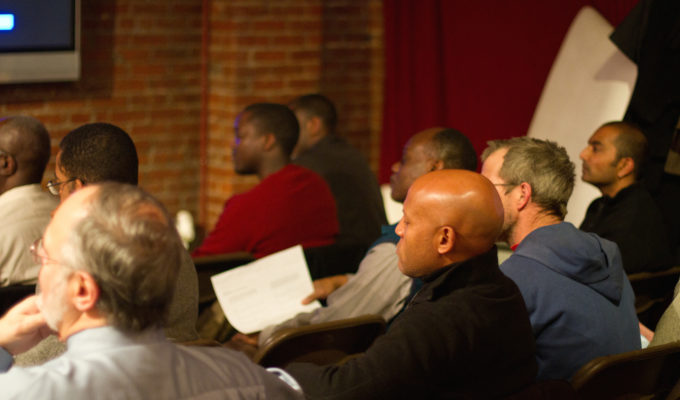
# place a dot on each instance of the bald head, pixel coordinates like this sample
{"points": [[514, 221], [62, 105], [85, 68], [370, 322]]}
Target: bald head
{"points": [[449, 216], [24, 151]]}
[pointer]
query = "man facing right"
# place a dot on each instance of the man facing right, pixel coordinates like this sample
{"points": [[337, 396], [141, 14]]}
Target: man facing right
{"points": [[580, 302], [626, 213]]}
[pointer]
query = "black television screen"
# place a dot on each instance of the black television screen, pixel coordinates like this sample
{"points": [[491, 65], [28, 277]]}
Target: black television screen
{"points": [[39, 40], [37, 25]]}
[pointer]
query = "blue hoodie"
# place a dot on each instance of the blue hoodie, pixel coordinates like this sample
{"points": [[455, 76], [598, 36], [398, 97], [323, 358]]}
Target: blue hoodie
{"points": [[579, 299]]}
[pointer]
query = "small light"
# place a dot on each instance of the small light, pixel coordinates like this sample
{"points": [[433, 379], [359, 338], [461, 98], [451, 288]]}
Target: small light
{"points": [[6, 22]]}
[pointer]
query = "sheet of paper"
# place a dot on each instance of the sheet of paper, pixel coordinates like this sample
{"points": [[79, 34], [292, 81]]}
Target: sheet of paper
{"points": [[265, 292]]}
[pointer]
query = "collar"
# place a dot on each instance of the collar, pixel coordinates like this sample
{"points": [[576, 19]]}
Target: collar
{"points": [[457, 275], [107, 337], [622, 194]]}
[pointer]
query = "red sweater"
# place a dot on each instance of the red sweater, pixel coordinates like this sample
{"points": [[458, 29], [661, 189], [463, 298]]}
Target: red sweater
{"points": [[291, 206]]}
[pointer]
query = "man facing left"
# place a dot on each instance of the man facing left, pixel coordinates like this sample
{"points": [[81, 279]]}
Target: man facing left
{"points": [[24, 207], [110, 258]]}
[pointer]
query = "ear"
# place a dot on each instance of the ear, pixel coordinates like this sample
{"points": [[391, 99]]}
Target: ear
{"points": [[437, 166], [445, 239], [77, 184], [8, 165], [313, 126], [84, 291], [525, 193], [624, 167], [269, 141]]}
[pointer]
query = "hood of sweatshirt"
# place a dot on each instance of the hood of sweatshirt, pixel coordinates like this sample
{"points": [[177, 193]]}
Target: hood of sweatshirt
{"points": [[581, 256]]}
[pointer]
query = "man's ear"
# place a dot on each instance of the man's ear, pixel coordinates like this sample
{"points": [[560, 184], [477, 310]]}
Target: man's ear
{"points": [[313, 126], [445, 238], [84, 291], [77, 184], [8, 165], [437, 166], [269, 141], [624, 167], [525, 193]]}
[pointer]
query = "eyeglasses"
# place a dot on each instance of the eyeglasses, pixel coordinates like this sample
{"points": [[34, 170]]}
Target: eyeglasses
{"points": [[53, 185], [39, 254]]}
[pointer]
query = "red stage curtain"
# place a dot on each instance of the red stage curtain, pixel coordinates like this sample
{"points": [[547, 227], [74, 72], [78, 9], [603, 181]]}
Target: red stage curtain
{"points": [[477, 66]]}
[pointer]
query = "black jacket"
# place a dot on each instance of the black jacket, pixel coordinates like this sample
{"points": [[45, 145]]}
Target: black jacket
{"points": [[466, 334]]}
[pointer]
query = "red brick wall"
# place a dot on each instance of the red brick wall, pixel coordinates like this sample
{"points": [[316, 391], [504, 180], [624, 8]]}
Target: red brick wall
{"points": [[141, 70], [274, 51]]}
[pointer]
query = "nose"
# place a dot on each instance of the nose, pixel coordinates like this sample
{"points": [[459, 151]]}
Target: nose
{"points": [[583, 154], [399, 230]]}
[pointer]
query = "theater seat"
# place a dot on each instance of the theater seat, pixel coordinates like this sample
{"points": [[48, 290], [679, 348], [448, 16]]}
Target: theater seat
{"points": [[651, 373], [208, 266], [653, 293], [321, 344]]}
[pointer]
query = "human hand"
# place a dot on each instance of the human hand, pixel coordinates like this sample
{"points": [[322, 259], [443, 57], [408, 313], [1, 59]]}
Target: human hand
{"points": [[247, 339], [22, 327], [324, 287]]}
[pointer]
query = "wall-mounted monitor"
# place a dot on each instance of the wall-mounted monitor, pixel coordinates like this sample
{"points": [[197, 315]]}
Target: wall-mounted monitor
{"points": [[39, 40]]}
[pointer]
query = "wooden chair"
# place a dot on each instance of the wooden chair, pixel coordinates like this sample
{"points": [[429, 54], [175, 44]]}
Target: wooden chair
{"points": [[653, 293], [10, 295], [651, 373], [321, 344]]}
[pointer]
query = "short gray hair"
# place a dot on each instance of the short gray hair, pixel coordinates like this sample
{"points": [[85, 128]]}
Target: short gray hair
{"points": [[543, 164], [129, 245]]}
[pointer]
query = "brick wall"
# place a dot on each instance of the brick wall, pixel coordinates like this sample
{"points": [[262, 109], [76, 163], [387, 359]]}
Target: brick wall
{"points": [[274, 51], [142, 70]]}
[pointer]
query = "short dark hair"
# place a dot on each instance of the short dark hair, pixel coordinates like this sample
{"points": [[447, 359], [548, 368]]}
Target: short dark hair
{"points": [[630, 142], [99, 152], [128, 244], [30, 144], [317, 105], [278, 120], [455, 150]]}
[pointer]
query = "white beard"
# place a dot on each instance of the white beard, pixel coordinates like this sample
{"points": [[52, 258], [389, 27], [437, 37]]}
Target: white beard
{"points": [[53, 305]]}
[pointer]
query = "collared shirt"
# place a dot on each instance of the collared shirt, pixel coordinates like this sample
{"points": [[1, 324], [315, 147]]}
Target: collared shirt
{"points": [[24, 214], [105, 363]]}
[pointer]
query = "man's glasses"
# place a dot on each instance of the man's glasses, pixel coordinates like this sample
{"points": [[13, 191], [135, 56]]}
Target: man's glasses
{"points": [[39, 254], [53, 185]]}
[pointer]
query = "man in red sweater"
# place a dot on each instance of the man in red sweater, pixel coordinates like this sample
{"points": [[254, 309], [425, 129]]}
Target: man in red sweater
{"points": [[291, 205]]}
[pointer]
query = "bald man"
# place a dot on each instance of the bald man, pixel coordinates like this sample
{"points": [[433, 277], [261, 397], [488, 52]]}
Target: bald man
{"points": [[466, 333], [24, 207], [379, 287]]}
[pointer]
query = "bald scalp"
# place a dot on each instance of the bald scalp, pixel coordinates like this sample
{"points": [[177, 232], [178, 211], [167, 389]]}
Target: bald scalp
{"points": [[465, 201], [26, 139]]}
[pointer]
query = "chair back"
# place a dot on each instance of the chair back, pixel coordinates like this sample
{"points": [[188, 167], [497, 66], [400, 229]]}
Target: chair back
{"points": [[208, 266], [321, 344], [653, 293], [649, 373]]}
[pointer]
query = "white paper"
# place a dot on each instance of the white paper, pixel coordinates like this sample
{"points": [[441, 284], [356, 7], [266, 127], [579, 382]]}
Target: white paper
{"points": [[266, 291]]}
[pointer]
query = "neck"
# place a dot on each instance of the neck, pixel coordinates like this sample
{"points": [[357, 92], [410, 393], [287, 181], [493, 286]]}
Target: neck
{"points": [[272, 165], [612, 189], [529, 222], [82, 322]]}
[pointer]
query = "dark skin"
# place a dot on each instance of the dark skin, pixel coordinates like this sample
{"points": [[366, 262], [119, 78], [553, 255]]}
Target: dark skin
{"points": [[16, 166]]}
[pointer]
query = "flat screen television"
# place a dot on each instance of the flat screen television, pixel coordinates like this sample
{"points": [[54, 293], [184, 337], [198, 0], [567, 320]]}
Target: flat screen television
{"points": [[39, 40]]}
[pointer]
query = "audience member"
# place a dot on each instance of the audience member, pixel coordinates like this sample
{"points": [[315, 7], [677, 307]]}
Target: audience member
{"points": [[580, 302], [379, 287], [668, 327], [110, 260], [626, 213], [291, 205], [24, 207], [465, 334], [101, 152], [345, 170]]}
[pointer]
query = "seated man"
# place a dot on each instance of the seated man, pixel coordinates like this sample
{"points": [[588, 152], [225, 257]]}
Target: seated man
{"points": [[580, 302], [379, 287], [626, 213], [344, 168], [24, 206], [101, 152], [110, 259], [466, 333], [291, 205]]}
